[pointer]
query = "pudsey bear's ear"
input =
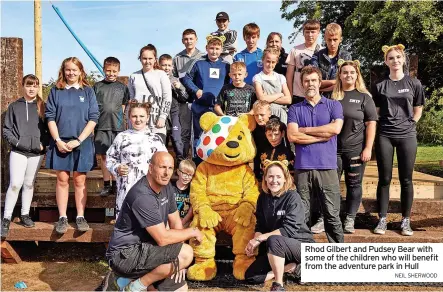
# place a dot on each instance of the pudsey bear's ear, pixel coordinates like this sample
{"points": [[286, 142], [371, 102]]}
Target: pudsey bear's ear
{"points": [[208, 120], [248, 120]]}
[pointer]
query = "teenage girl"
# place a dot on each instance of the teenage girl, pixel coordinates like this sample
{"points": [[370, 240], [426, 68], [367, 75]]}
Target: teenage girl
{"points": [[27, 134], [271, 86], [152, 85]]}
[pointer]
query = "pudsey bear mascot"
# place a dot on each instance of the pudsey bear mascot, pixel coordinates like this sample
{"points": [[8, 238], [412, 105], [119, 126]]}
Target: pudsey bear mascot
{"points": [[224, 192]]}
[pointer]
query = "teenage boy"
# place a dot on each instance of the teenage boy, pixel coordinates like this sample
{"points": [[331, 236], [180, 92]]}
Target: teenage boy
{"points": [[262, 113], [326, 59], [179, 94], [313, 125], [205, 81], [182, 64], [237, 97], [300, 56], [230, 44], [251, 56], [112, 96]]}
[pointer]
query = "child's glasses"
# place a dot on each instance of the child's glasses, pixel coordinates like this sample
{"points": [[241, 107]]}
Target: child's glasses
{"points": [[185, 174]]}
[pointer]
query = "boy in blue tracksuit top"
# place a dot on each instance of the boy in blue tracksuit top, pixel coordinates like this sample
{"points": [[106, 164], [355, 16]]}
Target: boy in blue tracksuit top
{"points": [[205, 81], [251, 56]]}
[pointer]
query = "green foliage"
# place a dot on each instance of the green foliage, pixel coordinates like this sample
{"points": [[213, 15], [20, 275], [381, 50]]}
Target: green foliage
{"points": [[92, 78], [368, 25]]}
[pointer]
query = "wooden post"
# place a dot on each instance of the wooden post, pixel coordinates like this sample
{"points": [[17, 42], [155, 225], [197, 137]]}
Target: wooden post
{"points": [[38, 42], [11, 75]]}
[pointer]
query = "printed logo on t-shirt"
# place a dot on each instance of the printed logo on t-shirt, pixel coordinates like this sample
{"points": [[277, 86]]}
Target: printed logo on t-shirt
{"points": [[82, 98], [214, 73], [354, 100], [164, 201], [403, 90], [259, 63], [281, 212]]}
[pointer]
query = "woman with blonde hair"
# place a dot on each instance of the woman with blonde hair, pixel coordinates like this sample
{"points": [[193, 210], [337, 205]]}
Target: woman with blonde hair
{"points": [[280, 228], [355, 141], [71, 113], [399, 99]]}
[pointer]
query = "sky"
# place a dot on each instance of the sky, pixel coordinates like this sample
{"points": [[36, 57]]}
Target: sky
{"points": [[121, 28]]}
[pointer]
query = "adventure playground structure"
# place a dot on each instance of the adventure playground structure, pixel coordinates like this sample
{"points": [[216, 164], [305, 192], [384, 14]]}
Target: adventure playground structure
{"points": [[427, 209]]}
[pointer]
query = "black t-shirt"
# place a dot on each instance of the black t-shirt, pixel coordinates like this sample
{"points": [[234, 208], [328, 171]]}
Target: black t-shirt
{"points": [[183, 200], [358, 108], [236, 100], [141, 208], [396, 100], [281, 152], [110, 98]]}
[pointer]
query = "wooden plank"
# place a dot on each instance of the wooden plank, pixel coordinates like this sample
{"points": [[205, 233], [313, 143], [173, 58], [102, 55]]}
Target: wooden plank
{"points": [[94, 201], [98, 232], [9, 255]]}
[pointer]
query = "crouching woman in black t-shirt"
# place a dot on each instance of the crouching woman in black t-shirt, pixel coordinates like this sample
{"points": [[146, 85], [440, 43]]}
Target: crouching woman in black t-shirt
{"points": [[280, 228], [399, 100], [355, 141]]}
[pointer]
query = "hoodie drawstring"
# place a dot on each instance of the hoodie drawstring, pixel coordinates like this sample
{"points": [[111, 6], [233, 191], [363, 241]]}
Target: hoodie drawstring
{"points": [[27, 116]]}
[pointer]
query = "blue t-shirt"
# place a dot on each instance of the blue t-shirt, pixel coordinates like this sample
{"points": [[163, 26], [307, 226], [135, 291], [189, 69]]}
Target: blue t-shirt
{"points": [[253, 61], [321, 155]]}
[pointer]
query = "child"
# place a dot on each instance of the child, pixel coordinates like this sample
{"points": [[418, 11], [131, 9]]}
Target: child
{"points": [[271, 86], [278, 147], [152, 85], [326, 59], [205, 81], [251, 56], [230, 44], [238, 97], [185, 171], [179, 94], [299, 57], [112, 96], [26, 132], [262, 113]]}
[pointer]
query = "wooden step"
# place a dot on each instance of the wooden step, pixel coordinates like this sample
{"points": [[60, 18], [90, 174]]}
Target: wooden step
{"points": [[101, 232], [429, 207], [425, 186]]}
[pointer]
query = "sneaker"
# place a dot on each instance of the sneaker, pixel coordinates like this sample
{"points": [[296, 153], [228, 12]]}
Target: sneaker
{"points": [[5, 227], [348, 226], [381, 226], [62, 225], [82, 225], [110, 282], [106, 191], [277, 287], [406, 226], [318, 227], [27, 221]]}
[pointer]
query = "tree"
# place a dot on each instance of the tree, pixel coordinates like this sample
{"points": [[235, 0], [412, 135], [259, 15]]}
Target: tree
{"points": [[368, 25], [92, 78]]}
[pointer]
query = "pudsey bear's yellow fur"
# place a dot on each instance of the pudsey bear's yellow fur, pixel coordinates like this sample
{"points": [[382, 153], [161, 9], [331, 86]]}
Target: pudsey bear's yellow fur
{"points": [[224, 192]]}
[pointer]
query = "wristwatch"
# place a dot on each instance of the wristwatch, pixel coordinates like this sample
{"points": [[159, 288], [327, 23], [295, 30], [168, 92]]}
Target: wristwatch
{"points": [[79, 141]]}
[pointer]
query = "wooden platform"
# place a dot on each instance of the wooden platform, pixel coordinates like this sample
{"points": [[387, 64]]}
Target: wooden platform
{"points": [[425, 186], [101, 232]]}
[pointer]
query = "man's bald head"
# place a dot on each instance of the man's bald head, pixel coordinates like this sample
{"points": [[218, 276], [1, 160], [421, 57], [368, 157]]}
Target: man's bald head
{"points": [[161, 169]]}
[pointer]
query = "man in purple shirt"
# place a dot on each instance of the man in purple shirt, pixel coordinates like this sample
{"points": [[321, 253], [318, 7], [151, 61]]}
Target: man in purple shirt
{"points": [[313, 125]]}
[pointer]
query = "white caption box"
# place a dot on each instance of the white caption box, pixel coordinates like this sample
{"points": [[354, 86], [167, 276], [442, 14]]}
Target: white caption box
{"points": [[372, 262]]}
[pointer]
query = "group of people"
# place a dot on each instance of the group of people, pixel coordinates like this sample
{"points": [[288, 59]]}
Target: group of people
{"points": [[313, 98]]}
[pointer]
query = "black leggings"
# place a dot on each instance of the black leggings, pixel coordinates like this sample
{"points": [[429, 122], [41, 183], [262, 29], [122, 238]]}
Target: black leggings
{"points": [[277, 245], [354, 169], [406, 152]]}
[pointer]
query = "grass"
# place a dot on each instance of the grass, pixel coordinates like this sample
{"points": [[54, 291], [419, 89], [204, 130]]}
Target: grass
{"points": [[428, 159]]}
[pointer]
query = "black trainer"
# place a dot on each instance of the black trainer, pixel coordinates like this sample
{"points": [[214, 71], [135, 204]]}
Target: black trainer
{"points": [[27, 221], [106, 191], [82, 225], [277, 287], [62, 225], [5, 227]]}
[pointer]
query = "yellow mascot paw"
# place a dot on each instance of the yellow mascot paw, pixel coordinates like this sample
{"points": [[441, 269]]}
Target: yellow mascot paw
{"points": [[202, 270], [208, 217], [243, 214], [241, 264]]}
